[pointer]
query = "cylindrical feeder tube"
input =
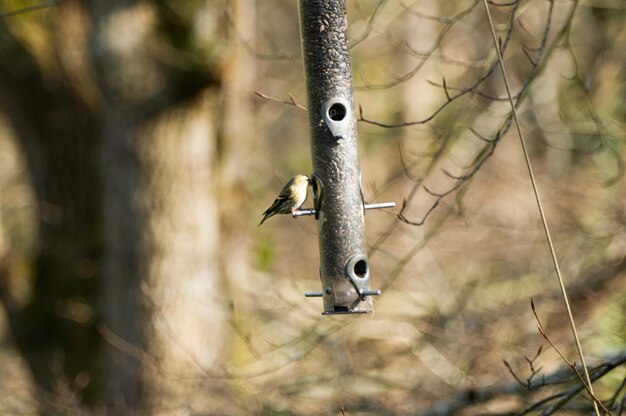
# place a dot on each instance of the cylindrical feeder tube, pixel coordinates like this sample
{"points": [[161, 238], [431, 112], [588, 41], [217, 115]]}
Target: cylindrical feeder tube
{"points": [[328, 72]]}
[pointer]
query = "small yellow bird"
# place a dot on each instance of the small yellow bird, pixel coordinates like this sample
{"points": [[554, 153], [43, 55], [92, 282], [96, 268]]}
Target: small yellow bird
{"points": [[290, 198]]}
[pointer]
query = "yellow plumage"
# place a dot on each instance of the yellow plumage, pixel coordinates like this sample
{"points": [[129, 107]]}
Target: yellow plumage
{"points": [[290, 198]]}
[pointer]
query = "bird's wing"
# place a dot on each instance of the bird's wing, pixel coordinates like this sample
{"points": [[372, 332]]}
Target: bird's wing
{"points": [[273, 206], [286, 192]]}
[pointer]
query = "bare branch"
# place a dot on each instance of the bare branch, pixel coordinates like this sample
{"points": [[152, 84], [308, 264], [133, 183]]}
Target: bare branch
{"points": [[292, 101], [28, 9], [370, 24], [515, 376], [570, 364]]}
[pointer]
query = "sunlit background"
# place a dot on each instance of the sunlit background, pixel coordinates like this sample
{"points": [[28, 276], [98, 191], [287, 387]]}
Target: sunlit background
{"points": [[141, 141]]}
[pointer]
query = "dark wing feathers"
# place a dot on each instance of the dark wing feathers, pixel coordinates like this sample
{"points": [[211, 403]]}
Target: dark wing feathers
{"points": [[286, 192], [282, 204], [275, 204]]}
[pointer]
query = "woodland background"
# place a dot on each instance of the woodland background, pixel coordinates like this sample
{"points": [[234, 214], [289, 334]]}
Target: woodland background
{"points": [[136, 159]]}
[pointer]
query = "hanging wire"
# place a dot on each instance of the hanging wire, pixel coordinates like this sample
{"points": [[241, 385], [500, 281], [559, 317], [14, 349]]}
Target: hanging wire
{"points": [[540, 206]]}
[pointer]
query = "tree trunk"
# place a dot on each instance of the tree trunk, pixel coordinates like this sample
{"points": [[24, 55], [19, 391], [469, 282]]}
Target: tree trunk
{"points": [[124, 297], [160, 293], [238, 152], [56, 130], [161, 305]]}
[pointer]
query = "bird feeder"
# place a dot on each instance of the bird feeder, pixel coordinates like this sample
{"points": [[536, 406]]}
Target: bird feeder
{"points": [[338, 201]]}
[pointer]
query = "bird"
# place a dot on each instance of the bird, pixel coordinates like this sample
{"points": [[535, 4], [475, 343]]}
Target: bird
{"points": [[290, 198]]}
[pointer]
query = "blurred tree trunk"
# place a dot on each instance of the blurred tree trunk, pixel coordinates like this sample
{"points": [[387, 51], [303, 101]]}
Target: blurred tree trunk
{"points": [[162, 311], [160, 294], [125, 283], [237, 139], [57, 132]]}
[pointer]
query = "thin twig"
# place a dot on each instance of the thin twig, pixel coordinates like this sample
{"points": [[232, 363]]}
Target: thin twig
{"points": [[515, 376], [32, 8], [540, 207], [369, 27], [292, 101], [570, 364]]}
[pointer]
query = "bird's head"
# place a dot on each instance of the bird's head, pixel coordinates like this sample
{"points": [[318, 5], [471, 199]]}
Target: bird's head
{"points": [[301, 180]]}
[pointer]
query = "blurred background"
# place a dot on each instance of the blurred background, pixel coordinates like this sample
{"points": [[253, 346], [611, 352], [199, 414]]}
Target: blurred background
{"points": [[140, 141]]}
